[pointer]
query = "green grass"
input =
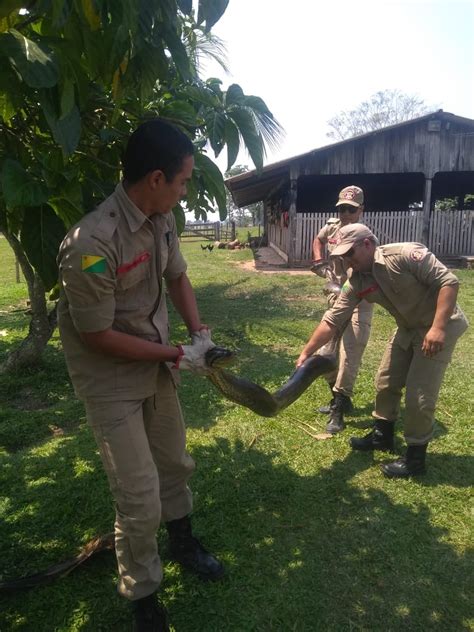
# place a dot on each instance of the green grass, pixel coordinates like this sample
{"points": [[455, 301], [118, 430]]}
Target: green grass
{"points": [[313, 536]]}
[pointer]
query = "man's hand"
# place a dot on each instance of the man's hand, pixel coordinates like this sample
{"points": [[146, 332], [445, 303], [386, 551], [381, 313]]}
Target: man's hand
{"points": [[433, 342], [320, 267], [193, 357], [302, 358], [202, 335]]}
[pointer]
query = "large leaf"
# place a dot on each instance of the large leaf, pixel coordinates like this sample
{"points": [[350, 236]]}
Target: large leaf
{"points": [[232, 140], [186, 6], [210, 11], [213, 182], [41, 234], [215, 124], [35, 63], [252, 139], [234, 95], [178, 52], [19, 188], [66, 130]]}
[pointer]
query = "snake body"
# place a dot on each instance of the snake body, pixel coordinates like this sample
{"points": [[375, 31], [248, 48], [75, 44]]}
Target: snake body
{"points": [[246, 393], [239, 390]]}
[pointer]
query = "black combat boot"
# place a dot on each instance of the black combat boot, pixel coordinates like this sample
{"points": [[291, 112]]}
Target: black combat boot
{"points": [[412, 464], [379, 438], [149, 615], [327, 409], [336, 419], [189, 552]]}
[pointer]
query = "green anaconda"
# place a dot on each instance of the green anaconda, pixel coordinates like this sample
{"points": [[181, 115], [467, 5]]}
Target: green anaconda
{"points": [[246, 393], [235, 388]]}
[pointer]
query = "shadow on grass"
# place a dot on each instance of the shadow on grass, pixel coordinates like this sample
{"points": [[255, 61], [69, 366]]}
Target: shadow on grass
{"points": [[318, 552]]}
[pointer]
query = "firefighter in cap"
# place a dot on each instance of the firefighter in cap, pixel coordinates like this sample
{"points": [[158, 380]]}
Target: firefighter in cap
{"points": [[420, 293], [350, 206]]}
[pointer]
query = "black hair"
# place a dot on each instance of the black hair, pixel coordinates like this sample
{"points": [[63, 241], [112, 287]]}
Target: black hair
{"points": [[155, 144]]}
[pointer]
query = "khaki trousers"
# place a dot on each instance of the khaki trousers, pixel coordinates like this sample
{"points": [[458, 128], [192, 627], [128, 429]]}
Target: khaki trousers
{"points": [[351, 349], [404, 365], [142, 446]]}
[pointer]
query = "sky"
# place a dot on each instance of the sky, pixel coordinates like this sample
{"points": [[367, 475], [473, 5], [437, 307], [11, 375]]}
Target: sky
{"points": [[310, 60]]}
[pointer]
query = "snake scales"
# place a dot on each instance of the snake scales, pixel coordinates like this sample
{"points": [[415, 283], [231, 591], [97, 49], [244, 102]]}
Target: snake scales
{"points": [[239, 390]]}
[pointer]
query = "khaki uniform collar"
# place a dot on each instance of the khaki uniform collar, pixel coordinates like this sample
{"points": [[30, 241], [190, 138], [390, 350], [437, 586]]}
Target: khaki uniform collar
{"points": [[134, 216]]}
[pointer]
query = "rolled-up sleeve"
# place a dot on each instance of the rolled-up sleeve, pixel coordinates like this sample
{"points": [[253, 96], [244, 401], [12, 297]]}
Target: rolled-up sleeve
{"points": [[341, 312], [90, 292]]}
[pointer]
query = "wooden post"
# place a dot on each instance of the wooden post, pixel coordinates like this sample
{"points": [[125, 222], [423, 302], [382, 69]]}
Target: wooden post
{"points": [[232, 230], [294, 172], [217, 232], [425, 235]]}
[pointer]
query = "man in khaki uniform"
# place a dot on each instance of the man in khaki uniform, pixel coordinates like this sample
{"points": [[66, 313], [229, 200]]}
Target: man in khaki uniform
{"points": [[356, 334], [420, 293], [113, 321]]}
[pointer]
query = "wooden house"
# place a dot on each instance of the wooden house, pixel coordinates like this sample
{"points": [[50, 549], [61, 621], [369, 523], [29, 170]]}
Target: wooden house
{"points": [[403, 169]]}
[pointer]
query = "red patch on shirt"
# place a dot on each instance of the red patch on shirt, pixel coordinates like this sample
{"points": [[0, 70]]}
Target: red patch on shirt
{"points": [[368, 290], [126, 267]]}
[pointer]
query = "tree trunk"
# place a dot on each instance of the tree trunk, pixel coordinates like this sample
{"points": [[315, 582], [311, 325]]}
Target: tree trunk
{"points": [[42, 323]]}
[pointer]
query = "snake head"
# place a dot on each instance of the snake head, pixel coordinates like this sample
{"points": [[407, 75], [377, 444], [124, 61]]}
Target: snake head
{"points": [[218, 357]]}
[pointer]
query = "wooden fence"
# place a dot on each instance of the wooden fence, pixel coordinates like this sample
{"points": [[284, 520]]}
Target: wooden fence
{"points": [[451, 232], [211, 231]]}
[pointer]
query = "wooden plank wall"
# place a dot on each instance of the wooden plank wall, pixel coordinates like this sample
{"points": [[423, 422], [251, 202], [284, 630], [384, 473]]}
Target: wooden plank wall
{"points": [[451, 232]]}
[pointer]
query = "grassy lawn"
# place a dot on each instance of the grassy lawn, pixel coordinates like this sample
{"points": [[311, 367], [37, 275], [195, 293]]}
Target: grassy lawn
{"points": [[313, 536]]}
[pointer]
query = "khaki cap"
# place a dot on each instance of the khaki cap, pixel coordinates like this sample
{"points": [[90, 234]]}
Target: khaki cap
{"points": [[351, 195], [349, 235]]}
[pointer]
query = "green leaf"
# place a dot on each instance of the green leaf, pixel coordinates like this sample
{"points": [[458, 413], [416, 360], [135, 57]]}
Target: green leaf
{"points": [[234, 95], [252, 140], [67, 98], [213, 182], [232, 140], [186, 6], [67, 130], [215, 124], [41, 234], [35, 63], [19, 188], [210, 11], [182, 111], [178, 52], [7, 109]]}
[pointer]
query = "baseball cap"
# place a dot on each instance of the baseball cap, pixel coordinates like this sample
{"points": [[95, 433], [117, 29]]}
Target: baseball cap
{"points": [[349, 235], [351, 195]]}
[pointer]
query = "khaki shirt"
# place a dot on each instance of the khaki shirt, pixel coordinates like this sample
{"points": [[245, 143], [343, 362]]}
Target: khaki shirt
{"points": [[405, 279], [328, 235], [112, 264]]}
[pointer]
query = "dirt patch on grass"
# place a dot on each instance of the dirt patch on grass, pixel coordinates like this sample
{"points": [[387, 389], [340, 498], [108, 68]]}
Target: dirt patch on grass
{"points": [[267, 261]]}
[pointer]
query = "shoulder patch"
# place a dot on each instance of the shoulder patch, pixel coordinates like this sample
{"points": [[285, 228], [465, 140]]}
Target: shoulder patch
{"points": [[93, 264], [418, 254]]}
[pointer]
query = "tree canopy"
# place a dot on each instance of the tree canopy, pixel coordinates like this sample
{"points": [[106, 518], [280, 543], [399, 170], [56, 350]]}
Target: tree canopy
{"points": [[386, 107], [76, 78]]}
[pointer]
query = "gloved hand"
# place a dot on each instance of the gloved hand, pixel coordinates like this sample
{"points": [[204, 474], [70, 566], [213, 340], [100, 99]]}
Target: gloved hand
{"points": [[193, 357], [201, 335], [321, 267]]}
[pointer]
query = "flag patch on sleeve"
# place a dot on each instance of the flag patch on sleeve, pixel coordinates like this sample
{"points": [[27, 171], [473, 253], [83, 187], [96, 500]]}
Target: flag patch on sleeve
{"points": [[94, 264]]}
